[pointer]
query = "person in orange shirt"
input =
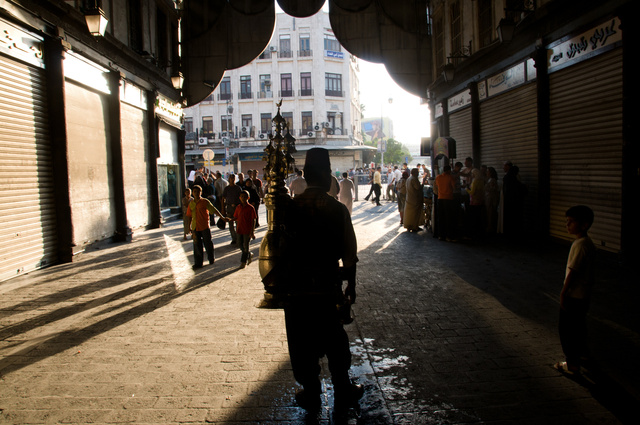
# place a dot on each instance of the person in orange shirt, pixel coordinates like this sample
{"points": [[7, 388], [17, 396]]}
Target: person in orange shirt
{"points": [[199, 210], [446, 213]]}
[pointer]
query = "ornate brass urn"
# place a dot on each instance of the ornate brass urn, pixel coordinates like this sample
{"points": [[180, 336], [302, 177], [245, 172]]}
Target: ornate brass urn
{"points": [[279, 157]]}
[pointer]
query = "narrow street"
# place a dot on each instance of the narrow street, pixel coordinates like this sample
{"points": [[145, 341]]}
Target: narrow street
{"points": [[443, 333]]}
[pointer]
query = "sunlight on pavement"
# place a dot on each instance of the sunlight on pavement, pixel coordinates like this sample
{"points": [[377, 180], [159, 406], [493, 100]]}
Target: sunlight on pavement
{"points": [[180, 265]]}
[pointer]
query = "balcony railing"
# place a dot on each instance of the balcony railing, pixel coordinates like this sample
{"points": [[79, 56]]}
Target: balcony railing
{"points": [[265, 95], [225, 96], [305, 92], [305, 53], [285, 93], [334, 93], [285, 54], [245, 95]]}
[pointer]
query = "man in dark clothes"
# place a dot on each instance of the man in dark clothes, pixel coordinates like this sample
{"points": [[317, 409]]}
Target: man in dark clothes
{"points": [[321, 226]]}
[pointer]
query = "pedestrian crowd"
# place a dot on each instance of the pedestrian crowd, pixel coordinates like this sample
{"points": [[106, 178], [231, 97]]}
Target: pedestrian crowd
{"points": [[235, 200]]}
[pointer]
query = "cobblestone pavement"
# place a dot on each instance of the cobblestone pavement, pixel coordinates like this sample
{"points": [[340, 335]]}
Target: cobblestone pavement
{"points": [[443, 333]]}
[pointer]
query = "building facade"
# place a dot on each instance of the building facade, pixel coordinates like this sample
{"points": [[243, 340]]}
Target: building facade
{"points": [[317, 81], [545, 84], [90, 139]]}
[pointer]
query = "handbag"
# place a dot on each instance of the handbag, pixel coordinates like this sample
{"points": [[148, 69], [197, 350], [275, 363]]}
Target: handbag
{"points": [[221, 223]]}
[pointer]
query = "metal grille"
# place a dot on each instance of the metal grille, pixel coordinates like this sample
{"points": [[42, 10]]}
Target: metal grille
{"points": [[586, 145], [28, 239]]}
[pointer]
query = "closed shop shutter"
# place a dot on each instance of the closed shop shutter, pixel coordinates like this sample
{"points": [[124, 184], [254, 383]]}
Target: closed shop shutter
{"points": [[28, 238], [586, 145], [509, 132], [135, 159], [91, 190], [460, 130]]}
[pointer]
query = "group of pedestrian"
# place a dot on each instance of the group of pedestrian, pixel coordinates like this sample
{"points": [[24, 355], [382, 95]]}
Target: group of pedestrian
{"points": [[471, 203], [235, 201]]}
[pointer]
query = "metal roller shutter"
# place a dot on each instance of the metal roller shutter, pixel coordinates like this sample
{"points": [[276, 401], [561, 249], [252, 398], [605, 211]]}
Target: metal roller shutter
{"points": [[135, 162], [28, 238], [509, 132], [586, 145], [460, 130]]}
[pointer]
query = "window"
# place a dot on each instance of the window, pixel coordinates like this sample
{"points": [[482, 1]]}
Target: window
{"points": [[225, 89], [207, 126], [226, 124], [305, 45], [305, 84], [285, 47], [455, 15], [247, 121], [245, 87], [485, 26], [265, 123], [331, 43], [286, 87], [265, 87], [333, 84], [307, 121], [288, 118], [188, 125], [334, 119], [438, 31], [135, 26]]}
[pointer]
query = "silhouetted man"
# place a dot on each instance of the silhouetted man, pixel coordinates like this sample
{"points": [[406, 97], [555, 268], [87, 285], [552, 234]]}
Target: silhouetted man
{"points": [[322, 235]]}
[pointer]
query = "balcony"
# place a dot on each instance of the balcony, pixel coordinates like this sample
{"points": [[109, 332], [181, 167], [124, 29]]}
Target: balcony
{"points": [[245, 95], [285, 93], [285, 54], [225, 96], [305, 92], [305, 53], [265, 95], [334, 93]]}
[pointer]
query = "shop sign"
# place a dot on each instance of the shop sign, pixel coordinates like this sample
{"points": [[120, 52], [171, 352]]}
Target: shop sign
{"points": [[460, 100], [20, 44], [506, 80], [168, 109], [593, 41]]}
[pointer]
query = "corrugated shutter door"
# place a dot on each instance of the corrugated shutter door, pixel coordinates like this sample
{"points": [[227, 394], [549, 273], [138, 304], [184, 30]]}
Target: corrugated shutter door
{"points": [[28, 238], [586, 145], [135, 160], [460, 130], [509, 132]]}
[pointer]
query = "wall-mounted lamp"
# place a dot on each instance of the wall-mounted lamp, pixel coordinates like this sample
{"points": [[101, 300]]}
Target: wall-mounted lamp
{"points": [[506, 29], [448, 72], [96, 21], [177, 79]]}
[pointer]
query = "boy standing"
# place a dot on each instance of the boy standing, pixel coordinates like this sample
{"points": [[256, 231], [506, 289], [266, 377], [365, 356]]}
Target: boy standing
{"points": [[199, 210], [576, 291], [245, 216]]}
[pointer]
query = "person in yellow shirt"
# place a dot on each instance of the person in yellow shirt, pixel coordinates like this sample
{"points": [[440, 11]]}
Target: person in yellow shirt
{"points": [[199, 210]]}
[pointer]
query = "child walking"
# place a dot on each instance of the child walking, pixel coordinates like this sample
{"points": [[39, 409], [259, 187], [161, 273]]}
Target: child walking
{"points": [[245, 216], [576, 291]]}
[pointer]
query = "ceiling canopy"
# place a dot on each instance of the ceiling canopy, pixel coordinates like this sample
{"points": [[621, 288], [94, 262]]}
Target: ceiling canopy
{"points": [[225, 34]]}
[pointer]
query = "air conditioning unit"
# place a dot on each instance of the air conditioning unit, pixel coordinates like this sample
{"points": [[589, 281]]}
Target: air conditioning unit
{"points": [[244, 128], [338, 132], [262, 136], [310, 134], [326, 124], [317, 127], [202, 141], [330, 131], [272, 48], [245, 134]]}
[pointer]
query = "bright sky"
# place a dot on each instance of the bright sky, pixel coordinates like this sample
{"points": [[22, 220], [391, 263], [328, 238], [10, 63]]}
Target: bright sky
{"points": [[410, 119]]}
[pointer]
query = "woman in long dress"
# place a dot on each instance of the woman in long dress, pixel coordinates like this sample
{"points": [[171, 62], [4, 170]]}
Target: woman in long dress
{"points": [[413, 204], [401, 188]]}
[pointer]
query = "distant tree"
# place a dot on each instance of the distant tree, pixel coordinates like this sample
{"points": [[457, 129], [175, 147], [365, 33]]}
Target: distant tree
{"points": [[395, 154]]}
